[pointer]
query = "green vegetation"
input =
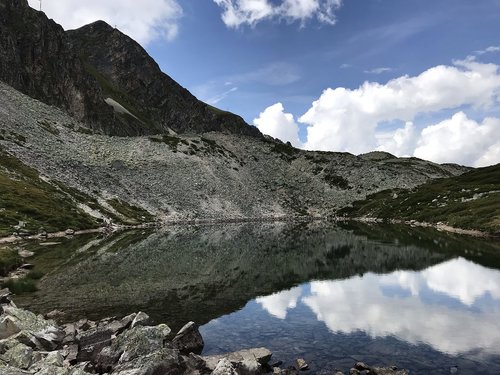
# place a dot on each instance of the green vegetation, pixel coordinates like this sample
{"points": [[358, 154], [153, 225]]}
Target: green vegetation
{"points": [[9, 260], [172, 141], [134, 215], [46, 125], [25, 197], [20, 285], [285, 150], [469, 201], [336, 181]]}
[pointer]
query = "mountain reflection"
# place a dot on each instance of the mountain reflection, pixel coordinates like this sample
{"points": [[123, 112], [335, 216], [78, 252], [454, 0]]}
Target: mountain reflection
{"points": [[453, 306]]}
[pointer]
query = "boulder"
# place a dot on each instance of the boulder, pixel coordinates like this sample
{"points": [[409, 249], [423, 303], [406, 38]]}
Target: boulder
{"points": [[20, 356], [188, 339], [164, 361], [261, 355], [224, 367], [132, 344], [91, 343]]}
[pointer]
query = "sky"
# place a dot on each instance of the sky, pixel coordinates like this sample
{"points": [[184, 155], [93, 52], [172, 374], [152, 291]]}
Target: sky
{"points": [[413, 78]]}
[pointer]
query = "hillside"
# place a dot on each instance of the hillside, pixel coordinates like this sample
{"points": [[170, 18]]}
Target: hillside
{"points": [[213, 176], [469, 201]]}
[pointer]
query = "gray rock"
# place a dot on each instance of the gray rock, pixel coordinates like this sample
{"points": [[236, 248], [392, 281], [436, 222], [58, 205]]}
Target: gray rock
{"points": [[302, 364], [164, 361], [141, 319], [189, 340], [91, 343], [261, 355], [224, 367], [20, 356]]}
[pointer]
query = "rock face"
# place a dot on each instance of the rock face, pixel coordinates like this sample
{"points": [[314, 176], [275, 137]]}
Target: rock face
{"points": [[132, 78], [81, 70]]}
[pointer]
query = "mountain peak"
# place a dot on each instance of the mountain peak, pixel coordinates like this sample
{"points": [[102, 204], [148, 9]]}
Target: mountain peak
{"points": [[81, 70]]}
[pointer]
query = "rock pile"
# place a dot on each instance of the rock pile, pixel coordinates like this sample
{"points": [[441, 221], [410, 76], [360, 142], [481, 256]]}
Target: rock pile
{"points": [[33, 345]]}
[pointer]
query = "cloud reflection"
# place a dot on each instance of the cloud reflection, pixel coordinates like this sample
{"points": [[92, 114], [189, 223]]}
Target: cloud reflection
{"points": [[278, 304], [453, 307]]}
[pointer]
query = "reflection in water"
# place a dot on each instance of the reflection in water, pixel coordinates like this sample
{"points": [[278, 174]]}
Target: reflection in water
{"points": [[417, 307], [278, 304], [379, 294]]}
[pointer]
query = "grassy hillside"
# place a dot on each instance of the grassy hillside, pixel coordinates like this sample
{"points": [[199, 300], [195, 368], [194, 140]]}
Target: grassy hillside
{"points": [[469, 201], [25, 197]]}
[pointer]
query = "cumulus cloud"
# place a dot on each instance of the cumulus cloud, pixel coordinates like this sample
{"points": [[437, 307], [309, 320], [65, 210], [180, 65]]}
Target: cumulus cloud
{"points": [[250, 12], [351, 120], [143, 21], [461, 140], [278, 124]]}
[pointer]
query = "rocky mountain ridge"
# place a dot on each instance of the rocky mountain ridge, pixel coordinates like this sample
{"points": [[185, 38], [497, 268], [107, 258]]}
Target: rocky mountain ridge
{"points": [[101, 77]]}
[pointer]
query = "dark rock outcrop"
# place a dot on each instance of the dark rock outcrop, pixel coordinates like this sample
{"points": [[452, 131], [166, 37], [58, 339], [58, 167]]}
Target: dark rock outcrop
{"points": [[101, 77]]}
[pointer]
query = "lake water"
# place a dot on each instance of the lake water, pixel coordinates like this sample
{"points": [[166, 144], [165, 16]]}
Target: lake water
{"points": [[334, 295]]}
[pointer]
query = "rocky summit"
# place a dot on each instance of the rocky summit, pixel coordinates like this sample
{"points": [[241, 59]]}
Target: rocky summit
{"points": [[101, 77]]}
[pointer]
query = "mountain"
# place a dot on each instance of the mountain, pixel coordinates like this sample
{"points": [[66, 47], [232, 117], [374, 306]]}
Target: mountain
{"points": [[91, 129], [101, 77]]}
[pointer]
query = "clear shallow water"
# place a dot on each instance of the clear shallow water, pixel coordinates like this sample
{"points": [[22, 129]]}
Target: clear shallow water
{"points": [[429, 321], [420, 299]]}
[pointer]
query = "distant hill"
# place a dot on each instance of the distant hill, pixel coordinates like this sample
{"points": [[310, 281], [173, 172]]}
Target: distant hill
{"points": [[469, 201]]}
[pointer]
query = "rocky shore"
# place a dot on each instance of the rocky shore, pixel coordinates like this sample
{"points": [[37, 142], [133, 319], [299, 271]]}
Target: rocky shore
{"points": [[35, 345]]}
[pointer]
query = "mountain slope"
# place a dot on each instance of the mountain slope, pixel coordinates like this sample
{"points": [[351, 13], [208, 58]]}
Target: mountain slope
{"points": [[213, 176], [79, 71], [468, 201]]}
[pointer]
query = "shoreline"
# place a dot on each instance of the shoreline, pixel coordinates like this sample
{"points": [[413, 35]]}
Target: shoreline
{"points": [[119, 228], [37, 344], [442, 227]]}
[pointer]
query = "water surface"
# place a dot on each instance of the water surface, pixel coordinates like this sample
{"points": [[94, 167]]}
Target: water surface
{"points": [[417, 298]]}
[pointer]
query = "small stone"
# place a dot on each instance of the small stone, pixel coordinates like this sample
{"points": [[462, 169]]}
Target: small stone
{"points": [[141, 319], [302, 364], [69, 232]]}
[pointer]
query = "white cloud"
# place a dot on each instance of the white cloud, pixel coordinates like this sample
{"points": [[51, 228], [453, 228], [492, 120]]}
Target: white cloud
{"points": [[490, 49], [461, 140], [240, 12], [351, 120], [278, 124], [278, 304], [217, 98], [143, 21], [378, 70]]}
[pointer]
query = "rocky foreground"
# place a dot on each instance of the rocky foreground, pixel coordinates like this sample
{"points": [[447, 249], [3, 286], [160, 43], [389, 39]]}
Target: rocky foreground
{"points": [[32, 344]]}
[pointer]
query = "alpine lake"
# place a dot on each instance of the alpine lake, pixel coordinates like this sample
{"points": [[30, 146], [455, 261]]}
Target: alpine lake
{"points": [[333, 294]]}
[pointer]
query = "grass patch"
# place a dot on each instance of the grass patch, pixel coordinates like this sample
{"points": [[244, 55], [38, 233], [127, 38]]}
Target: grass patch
{"points": [[21, 285], [25, 197], [135, 215], [47, 126], [9, 261], [469, 201]]}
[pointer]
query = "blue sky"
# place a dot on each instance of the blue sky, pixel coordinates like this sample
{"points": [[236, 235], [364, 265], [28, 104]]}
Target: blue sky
{"points": [[270, 60]]}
